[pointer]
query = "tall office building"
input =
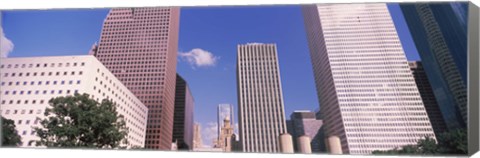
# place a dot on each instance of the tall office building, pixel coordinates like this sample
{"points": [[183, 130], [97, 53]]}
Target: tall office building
{"points": [[439, 32], [197, 136], [139, 46], [426, 92], [260, 100], [305, 123], [183, 115], [223, 111], [27, 85], [366, 90]]}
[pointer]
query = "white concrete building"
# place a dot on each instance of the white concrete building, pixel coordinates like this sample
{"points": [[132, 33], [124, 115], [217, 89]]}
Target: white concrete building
{"points": [[27, 84], [367, 92], [260, 100]]}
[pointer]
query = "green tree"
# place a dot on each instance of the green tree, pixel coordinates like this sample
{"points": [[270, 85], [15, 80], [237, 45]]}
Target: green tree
{"points": [[10, 136], [78, 121], [454, 142], [427, 146], [451, 142]]}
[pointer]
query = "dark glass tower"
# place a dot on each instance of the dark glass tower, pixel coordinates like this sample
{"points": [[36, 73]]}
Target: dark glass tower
{"points": [[439, 32], [183, 115]]}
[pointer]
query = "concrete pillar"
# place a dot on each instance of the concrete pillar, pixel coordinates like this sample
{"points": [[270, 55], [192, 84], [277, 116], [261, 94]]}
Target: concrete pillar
{"points": [[286, 143], [303, 143], [334, 146]]}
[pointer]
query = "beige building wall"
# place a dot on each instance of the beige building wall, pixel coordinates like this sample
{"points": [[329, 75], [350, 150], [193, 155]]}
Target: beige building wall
{"points": [[27, 84], [260, 99]]}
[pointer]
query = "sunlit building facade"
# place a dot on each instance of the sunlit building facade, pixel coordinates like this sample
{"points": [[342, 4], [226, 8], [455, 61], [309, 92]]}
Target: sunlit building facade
{"points": [[28, 83], [260, 100]]}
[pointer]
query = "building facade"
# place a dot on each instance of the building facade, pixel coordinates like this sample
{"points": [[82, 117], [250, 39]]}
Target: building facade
{"points": [[260, 100], [224, 111], [305, 123], [226, 139], [27, 85], [139, 46], [197, 136], [439, 32], [367, 93], [183, 115], [428, 97]]}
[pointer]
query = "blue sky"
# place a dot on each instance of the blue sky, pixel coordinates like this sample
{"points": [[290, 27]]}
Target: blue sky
{"points": [[217, 30]]}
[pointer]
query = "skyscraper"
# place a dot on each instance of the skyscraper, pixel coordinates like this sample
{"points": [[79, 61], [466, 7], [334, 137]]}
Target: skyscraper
{"points": [[223, 111], [139, 46], [366, 90], [197, 136], [439, 32], [305, 123], [428, 98], [260, 100], [183, 115]]}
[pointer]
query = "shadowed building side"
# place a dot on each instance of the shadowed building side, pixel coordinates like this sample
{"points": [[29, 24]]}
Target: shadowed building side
{"points": [[183, 116]]}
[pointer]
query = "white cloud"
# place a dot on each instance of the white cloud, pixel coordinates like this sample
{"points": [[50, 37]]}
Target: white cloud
{"points": [[6, 46], [199, 58], [209, 133]]}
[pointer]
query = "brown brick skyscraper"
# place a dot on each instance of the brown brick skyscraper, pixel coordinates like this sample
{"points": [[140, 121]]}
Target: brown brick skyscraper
{"points": [[139, 46]]}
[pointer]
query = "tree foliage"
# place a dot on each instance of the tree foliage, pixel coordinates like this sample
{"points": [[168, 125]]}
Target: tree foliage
{"points": [[78, 121], [452, 142], [10, 136]]}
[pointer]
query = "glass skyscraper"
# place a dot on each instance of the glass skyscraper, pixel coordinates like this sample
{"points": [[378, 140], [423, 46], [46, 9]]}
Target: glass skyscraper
{"points": [[183, 115], [439, 32]]}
